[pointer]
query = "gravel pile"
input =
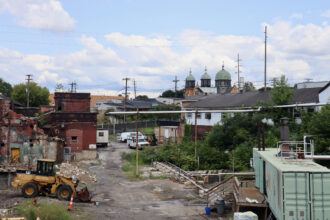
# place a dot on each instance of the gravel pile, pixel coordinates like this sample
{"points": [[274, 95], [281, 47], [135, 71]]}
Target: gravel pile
{"points": [[71, 171]]}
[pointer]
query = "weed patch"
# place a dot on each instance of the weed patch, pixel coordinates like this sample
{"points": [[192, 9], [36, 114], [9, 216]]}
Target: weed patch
{"points": [[44, 211]]}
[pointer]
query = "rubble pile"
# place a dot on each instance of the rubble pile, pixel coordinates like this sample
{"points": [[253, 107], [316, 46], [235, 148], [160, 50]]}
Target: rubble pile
{"points": [[71, 171]]}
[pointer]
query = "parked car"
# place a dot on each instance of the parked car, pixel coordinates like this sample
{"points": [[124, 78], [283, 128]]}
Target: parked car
{"points": [[142, 143], [133, 135]]}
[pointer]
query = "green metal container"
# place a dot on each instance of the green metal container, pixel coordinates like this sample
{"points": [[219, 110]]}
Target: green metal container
{"points": [[295, 189]]}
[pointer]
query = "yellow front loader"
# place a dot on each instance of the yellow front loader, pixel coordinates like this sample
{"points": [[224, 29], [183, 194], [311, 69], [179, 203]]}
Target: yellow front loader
{"points": [[45, 181]]}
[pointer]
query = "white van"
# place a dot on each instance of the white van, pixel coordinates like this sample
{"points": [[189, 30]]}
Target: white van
{"points": [[124, 136], [127, 135]]}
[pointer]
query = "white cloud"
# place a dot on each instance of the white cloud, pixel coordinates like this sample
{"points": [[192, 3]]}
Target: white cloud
{"points": [[297, 16], [39, 14], [298, 51], [326, 14]]}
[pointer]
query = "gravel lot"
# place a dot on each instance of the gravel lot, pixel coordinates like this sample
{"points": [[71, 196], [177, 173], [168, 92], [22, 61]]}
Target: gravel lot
{"points": [[117, 197], [120, 198]]}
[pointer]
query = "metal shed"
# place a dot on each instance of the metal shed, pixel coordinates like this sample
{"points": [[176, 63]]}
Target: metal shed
{"points": [[296, 189]]}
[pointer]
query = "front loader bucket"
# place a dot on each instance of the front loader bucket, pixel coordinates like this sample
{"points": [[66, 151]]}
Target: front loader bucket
{"points": [[83, 195]]}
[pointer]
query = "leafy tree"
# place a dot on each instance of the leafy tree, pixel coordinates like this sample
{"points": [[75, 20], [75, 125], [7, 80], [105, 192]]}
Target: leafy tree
{"points": [[38, 95], [5, 88], [319, 125], [142, 97], [168, 94], [282, 93], [172, 94], [249, 87]]}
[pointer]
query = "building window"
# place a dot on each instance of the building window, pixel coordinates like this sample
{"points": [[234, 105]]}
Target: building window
{"points": [[101, 134], [199, 115], [188, 115], [74, 138], [208, 116]]}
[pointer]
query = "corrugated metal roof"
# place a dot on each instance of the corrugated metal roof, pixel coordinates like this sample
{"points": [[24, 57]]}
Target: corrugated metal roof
{"points": [[289, 165]]}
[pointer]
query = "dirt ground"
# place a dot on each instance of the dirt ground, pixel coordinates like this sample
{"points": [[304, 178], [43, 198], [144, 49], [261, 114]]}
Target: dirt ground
{"points": [[117, 197], [121, 198]]}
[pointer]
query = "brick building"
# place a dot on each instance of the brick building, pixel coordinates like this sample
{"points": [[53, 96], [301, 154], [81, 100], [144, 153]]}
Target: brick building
{"points": [[20, 135], [73, 121]]}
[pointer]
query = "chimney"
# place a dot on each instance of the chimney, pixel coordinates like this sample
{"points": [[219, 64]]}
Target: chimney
{"points": [[284, 129]]}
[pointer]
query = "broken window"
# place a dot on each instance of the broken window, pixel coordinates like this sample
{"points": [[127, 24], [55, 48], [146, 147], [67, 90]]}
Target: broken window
{"points": [[74, 138]]}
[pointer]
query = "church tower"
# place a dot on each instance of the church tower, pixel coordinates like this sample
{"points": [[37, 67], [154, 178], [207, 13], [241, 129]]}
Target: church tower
{"points": [[223, 81]]}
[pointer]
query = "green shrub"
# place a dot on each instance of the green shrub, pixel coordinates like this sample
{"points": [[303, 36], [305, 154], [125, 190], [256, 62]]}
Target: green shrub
{"points": [[44, 211]]}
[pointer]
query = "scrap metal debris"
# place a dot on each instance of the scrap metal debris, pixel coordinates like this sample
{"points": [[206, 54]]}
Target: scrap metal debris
{"points": [[71, 171]]}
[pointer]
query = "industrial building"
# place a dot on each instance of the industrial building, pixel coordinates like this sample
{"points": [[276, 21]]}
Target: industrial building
{"points": [[73, 121]]}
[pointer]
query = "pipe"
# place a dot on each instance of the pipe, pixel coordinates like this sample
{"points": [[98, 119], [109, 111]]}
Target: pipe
{"points": [[183, 111], [300, 105], [215, 111], [318, 157]]}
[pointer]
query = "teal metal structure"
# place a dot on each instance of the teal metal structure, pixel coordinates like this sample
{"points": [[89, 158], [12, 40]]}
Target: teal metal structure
{"points": [[296, 189]]}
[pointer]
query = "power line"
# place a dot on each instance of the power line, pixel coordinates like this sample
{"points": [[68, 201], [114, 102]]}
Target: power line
{"points": [[29, 78]]}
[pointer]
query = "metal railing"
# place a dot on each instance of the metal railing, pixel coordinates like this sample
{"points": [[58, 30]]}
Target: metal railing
{"points": [[295, 149]]}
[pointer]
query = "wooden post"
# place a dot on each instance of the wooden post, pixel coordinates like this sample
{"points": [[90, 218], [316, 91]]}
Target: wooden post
{"points": [[137, 144], [159, 134]]}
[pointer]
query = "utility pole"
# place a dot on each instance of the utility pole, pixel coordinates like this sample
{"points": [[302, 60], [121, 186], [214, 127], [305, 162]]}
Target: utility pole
{"points": [[137, 144], [29, 78], [134, 82], [73, 87], [265, 71], [176, 84], [125, 99], [196, 112], [238, 72]]}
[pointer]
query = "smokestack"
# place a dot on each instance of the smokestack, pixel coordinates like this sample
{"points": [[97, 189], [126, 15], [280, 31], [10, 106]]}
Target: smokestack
{"points": [[284, 129]]}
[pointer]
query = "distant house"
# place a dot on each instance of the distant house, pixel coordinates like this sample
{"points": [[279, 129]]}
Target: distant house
{"points": [[169, 101], [304, 85], [248, 99]]}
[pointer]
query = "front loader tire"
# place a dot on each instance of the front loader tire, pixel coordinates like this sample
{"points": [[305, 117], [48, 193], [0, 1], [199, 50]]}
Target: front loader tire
{"points": [[64, 192], [30, 190]]}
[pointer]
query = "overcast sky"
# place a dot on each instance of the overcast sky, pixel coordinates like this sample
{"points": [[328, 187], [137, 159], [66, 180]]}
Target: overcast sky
{"points": [[98, 43]]}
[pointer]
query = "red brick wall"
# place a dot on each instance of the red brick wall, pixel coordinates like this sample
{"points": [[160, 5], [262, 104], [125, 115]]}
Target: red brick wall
{"points": [[201, 131], [72, 102], [85, 133]]}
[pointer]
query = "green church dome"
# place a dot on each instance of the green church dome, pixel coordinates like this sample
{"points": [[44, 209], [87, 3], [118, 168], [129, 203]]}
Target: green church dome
{"points": [[190, 77], [205, 75], [223, 75]]}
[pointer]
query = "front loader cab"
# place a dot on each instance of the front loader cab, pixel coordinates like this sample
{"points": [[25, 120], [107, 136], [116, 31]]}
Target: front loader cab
{"points": [[46, 167]]}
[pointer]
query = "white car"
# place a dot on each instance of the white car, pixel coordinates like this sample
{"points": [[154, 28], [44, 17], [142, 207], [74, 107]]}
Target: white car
{"points": [[142, 143]]}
